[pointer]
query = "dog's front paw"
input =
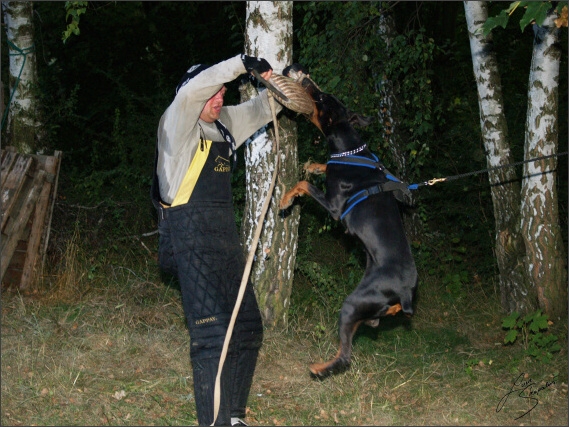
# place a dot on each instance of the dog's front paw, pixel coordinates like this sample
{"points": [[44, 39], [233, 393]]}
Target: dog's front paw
{"points": [[314, 168]]}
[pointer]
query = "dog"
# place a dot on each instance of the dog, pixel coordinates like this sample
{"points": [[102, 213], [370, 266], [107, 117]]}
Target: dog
{"points": [[361, 193]]}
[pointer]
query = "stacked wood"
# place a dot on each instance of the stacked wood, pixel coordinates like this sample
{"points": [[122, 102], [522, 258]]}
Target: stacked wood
{"points": [[28, 190]]}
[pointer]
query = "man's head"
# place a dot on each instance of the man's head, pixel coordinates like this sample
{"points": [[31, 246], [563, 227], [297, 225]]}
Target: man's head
{"points": [[212, 108]]}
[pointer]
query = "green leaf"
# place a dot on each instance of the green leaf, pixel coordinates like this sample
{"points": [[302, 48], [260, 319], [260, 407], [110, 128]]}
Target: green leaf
{"points": [[539, 323], [493, 22], [511, 336], [510, 321], [334, 82], [535, 11]]}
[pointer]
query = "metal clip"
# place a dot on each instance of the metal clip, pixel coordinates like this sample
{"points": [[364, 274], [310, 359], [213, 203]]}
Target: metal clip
{"points": [[435, 180]]}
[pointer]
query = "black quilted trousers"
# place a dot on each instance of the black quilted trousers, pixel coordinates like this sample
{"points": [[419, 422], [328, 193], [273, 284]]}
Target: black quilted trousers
{"points": [[199, 244]]}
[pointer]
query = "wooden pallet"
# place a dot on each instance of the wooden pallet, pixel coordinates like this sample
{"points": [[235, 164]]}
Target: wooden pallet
{"points": [[28, 190]]}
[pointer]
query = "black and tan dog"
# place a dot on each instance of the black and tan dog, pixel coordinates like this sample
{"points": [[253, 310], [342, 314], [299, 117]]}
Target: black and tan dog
{"points": [[360, 193]]}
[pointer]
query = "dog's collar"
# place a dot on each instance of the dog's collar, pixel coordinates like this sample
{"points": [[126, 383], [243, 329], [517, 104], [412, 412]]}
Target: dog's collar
{"points": [[349, 153]]}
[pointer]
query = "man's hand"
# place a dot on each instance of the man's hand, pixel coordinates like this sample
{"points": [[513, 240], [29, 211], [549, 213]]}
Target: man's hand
{"points": [[267, 74], [258, 64]]}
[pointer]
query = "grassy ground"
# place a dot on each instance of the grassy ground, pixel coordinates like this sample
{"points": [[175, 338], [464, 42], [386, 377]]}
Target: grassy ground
{"points": [[102, 341]]}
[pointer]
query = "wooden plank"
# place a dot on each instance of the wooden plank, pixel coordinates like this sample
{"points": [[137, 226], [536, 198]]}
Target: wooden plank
{"points": [[12, 233], [36, 232], [53, 197], [24, 242], [13, 184], [8, 159]]}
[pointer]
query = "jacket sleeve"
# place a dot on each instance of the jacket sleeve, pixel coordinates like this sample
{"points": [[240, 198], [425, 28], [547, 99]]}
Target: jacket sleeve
{"points": [[245, 119], [181, 118], [178, 131]]}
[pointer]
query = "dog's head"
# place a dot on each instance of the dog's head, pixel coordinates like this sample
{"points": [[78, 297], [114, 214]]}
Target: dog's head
{"points": [[329, 112]]}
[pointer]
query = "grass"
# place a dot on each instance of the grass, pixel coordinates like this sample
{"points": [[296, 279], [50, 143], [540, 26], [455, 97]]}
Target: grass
{"points": [[102, 341]]}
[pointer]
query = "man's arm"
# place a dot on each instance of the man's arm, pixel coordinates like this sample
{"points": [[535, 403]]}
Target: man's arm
{"points": [[245, 119], [181, 117]]}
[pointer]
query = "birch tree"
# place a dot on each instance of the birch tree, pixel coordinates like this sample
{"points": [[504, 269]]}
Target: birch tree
{"points": [[543, 281], [515, 290], [546, 257], [21, 118], [269, 35], [394, 136]]}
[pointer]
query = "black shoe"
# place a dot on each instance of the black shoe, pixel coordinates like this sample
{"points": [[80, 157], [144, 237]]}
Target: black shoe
{"points": [[238, 422]]}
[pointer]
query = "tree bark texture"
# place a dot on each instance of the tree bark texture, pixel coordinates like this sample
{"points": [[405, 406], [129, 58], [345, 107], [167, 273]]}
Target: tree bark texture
{"points": [[516, 292], [22, 121], [269, 35], [392, 135], [546, 261]]}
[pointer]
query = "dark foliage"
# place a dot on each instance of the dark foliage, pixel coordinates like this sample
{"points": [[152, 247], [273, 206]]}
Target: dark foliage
{"points": [[105, 90]]}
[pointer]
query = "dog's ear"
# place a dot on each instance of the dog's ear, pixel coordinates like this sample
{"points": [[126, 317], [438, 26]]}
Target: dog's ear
{"points": [[356, 119]]}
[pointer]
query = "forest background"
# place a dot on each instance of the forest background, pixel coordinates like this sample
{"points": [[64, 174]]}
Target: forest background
{"points": [[104, 92]]}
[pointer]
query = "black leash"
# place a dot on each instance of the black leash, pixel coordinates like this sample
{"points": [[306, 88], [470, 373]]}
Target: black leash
{"points": [[463, 175]]}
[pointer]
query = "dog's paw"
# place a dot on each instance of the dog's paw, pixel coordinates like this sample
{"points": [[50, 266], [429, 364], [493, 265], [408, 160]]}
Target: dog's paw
{"points": [[332, 367], [314, 168]]}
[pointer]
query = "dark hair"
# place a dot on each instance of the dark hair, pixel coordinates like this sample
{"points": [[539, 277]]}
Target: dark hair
{"points": [[193, 71]]}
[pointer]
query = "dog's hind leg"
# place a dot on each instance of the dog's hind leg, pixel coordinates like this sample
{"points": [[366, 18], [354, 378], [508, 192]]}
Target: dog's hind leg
{"points": [[349, 324], [350, 320]]}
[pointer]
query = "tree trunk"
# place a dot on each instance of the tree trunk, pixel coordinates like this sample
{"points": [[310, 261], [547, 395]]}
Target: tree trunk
{"points": [[516, 292], [269, 35], [546, 256], [23, 124], [392, 136]]}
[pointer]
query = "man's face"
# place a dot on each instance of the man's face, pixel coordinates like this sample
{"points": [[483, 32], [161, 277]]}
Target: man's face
{"points": [[212, 108]]}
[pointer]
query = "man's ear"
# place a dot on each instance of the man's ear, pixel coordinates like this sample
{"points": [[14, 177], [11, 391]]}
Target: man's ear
{"points": [[356, 119]]}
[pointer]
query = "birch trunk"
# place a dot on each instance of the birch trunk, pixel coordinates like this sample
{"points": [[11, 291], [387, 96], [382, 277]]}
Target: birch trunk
{"points": [[546, 256], [516, 292], [392, 135], [269, 35], [22, 120]]}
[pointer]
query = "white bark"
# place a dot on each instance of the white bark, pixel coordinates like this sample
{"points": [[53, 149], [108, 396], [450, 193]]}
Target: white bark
{"points": [[22, 120], [269, 35], [514, 287], [546, 259]]}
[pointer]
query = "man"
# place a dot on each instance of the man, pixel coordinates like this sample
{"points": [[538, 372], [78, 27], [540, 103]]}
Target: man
{"points": [[199, 243]]}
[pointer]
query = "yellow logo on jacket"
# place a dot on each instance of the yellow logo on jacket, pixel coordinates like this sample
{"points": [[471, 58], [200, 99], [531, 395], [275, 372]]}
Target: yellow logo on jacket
{"points": [[222, 164]]}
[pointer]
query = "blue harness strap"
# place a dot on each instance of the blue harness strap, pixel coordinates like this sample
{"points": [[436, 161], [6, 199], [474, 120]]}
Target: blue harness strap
{"points": [[393, 183]]}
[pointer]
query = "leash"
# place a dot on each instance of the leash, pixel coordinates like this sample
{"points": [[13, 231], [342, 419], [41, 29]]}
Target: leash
{"points": [[463, 175], [247, 271], [393, 184]]}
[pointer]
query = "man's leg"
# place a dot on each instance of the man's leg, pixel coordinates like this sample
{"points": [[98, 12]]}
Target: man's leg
{"points": [[246, 343], [205, 372], [206, 341]]}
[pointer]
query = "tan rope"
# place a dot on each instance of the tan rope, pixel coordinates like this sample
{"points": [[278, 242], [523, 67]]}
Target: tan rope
{"points": [[251, 257]]}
